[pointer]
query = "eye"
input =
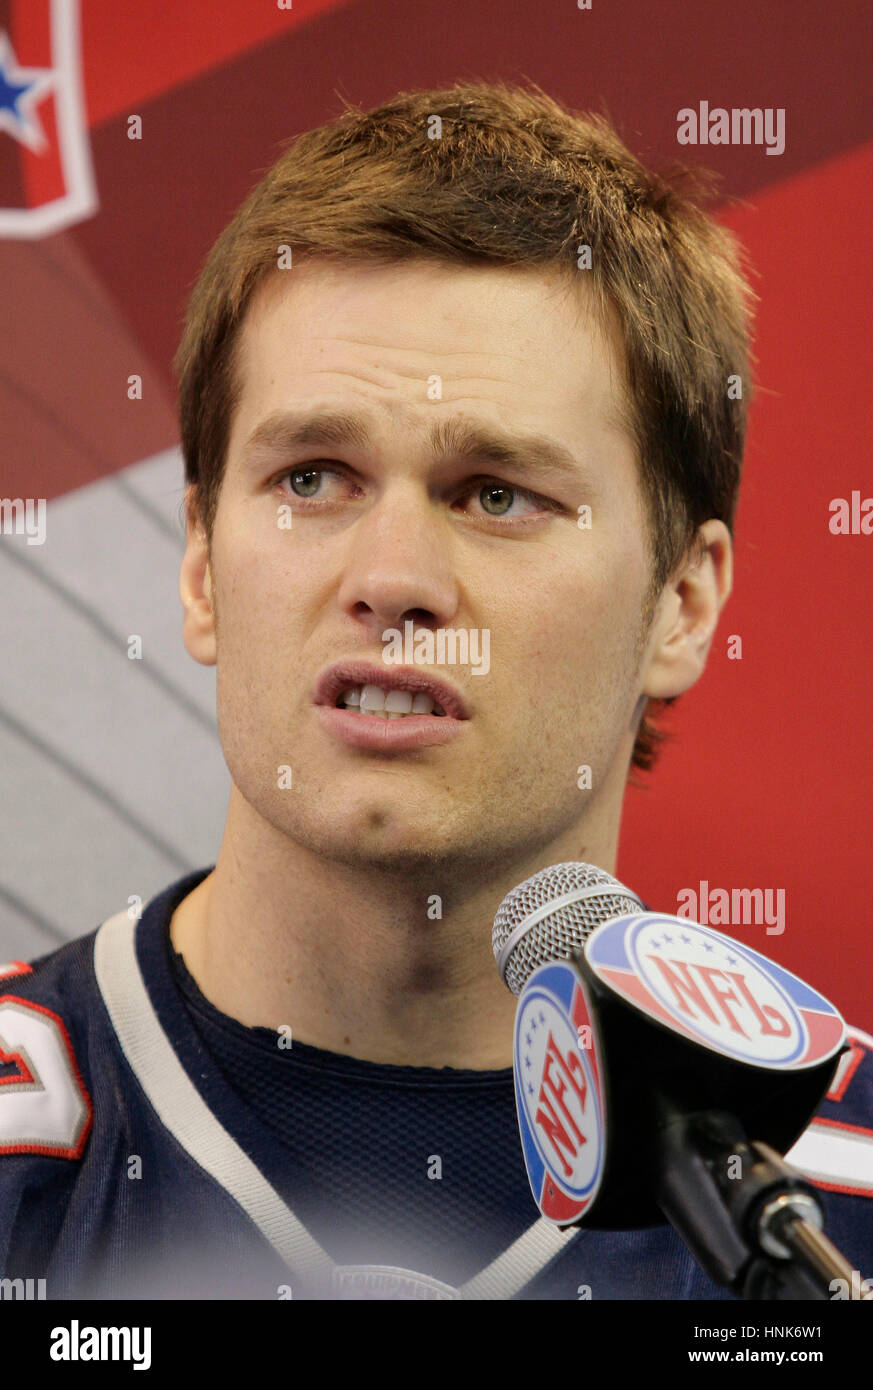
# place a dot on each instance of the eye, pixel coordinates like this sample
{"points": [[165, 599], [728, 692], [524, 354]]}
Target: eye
{"points": [[498, 500], [306, 482], [314, 482]]}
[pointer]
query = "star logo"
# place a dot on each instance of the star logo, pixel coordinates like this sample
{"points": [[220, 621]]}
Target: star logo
{"points": [[44, 117], [21, 91]]}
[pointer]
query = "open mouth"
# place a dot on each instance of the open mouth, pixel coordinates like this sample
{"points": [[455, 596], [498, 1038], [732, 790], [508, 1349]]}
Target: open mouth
{"points": [[436, 710], [389, 704]]}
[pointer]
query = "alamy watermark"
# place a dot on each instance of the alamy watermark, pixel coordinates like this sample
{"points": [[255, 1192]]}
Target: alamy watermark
{"points": [[734, 907], [77, 1343], [851, 516], [740, 125], [23, 516], [446, 646], [25, 1289]]}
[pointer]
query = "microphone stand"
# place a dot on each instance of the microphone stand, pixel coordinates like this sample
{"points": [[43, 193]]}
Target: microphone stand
{"points": [[751, 1220]]}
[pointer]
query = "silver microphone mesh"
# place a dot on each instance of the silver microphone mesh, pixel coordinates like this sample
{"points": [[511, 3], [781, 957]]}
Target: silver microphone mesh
{"points": [[552, 914]]}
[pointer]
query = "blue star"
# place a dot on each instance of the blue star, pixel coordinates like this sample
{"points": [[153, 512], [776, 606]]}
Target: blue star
{"points": [[533, 1024], [542, 1017], [20, 91], [528, 1039], [11, 93], [708, 946], [668, 939], [528, 1063], [656, 945], [686, 939], [530, 1088], [731, 960]]}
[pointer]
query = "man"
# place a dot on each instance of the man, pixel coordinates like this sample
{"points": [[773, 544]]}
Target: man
{"points": [[453, 383]]}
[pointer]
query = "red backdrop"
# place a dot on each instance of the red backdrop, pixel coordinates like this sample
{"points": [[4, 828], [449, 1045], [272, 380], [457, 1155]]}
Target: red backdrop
{"points": [[766, 783]]}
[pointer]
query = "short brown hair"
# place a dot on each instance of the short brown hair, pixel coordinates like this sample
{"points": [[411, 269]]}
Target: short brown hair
{"points": [[513, 178]]}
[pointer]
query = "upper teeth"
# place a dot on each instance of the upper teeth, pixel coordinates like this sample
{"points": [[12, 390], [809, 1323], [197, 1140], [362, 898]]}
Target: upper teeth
{"points": [[388, 704]]}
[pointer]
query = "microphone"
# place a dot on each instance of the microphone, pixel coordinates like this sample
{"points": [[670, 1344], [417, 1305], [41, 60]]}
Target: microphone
{"points": [[552, 914], [647, 1048]]}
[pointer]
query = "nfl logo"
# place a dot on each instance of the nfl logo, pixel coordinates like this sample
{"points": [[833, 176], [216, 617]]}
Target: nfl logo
{"points": [[561, 1112], [46, 177], [710, 988]]}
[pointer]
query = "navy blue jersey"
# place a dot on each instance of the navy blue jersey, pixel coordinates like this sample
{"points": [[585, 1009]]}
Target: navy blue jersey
{"points": [[152, 1147]]}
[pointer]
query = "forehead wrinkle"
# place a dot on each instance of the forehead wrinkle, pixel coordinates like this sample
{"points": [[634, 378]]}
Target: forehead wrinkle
{"points": [[464, 439], [457, 440]]}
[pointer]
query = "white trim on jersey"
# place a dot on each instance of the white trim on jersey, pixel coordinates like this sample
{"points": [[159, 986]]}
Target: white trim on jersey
{"points": [[183, 1111], [518, 1264], [830, 1154], [181, 1108]]}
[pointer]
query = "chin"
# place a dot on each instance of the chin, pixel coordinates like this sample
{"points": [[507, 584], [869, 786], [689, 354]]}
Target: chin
{"points": [[373, 835]]}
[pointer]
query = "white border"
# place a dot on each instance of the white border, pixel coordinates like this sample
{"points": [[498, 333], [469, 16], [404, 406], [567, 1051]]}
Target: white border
{"points": [[80, 200]]}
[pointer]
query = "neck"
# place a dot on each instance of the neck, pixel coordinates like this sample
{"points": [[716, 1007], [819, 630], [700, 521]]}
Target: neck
{"points": [[386, 965]]}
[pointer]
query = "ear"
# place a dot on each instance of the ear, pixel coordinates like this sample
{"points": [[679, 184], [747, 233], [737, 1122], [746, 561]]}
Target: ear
{"points": [[195, 589], [687, 614]]}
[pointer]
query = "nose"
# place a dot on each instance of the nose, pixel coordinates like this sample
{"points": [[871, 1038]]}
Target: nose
{"points": [[400, 566]]}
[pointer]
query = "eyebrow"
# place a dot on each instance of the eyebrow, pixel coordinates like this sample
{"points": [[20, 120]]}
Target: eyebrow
{"points": [[450, 440]]}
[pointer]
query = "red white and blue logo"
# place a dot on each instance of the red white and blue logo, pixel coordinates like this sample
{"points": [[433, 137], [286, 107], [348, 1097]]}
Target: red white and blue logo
{"points": [[46, 173], [558, 1093], [710, 988]]}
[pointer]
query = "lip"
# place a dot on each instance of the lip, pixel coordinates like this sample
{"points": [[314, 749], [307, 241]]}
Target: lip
{"points": [[388, 735], [345, 674]]}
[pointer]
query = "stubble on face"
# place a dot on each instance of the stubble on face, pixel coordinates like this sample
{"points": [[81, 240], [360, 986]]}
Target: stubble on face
{"points": [[568, 626]]}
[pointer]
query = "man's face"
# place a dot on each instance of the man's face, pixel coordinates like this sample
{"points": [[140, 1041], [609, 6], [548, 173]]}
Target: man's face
{"points": [[384, 531]]}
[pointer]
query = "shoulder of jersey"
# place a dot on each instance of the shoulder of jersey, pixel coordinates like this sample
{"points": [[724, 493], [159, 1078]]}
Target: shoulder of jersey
{"points": [[46, 1019], [836, 1149]]}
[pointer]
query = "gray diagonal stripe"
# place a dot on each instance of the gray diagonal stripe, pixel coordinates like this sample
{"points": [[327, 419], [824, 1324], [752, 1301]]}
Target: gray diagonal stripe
{"points": [[31, 915], [147, 509], [84, 779], [116, 640]]}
